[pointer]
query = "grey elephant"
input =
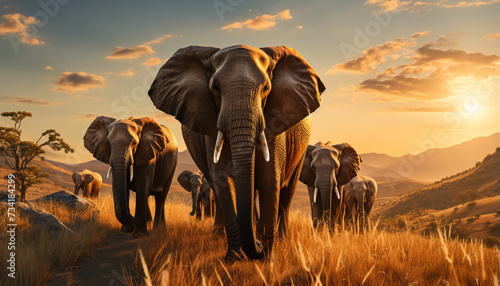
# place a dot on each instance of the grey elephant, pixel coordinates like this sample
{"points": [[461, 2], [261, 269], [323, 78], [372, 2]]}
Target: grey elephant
{"points": [[361, 192], [203, 201], [142, 156], [247, 97], [87, 181], [327, 168]]}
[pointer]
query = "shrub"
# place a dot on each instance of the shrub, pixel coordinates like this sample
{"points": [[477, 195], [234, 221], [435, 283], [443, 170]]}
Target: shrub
{"points": [[471, 205], [491, 241], [460, 232]]}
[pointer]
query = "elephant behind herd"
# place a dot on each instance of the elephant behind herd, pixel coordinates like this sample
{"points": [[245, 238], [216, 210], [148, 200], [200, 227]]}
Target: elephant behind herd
{"points": [[229, 101]]}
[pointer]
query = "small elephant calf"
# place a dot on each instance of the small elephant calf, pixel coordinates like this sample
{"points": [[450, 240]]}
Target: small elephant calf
{"points": [[87, 181], [360, 197], [202, 196]]}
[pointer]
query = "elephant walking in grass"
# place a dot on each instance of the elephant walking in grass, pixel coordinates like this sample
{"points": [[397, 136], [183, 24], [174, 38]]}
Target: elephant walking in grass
{"points": [[87, 181], [203, 201], [327, 168], [229, 101], [360, 197], [142, 156]]}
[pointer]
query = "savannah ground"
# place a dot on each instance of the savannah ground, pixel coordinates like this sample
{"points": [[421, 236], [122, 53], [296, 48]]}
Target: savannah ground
{"points": [[186, 252]]}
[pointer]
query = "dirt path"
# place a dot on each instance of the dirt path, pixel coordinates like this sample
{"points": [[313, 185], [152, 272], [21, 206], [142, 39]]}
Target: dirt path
{"points": [[103, 266]]}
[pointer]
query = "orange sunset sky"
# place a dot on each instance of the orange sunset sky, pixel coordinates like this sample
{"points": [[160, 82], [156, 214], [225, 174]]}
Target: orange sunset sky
{"points": [[401, 76]]}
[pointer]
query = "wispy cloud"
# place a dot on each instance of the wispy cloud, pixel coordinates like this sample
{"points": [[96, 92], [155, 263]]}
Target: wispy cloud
{"points": [[372, 57], [492, 36], [130, 53], [262, 22], [30, 101], [152, 62], [17, 25], [127, 72], [86, 117], [159, 39], [420, 34], [49, 68], [137, 51], [416, 6], [71, 82]]}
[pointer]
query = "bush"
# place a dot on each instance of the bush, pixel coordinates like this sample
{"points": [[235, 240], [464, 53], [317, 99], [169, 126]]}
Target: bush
{"points": [[471, 205], [460, 232], [491, 241]]}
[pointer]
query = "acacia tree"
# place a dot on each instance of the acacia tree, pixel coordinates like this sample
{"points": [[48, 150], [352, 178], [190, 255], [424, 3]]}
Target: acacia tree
{"points": [[18, 153]]}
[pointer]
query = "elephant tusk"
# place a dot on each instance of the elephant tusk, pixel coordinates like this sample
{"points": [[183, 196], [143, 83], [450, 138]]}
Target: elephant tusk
{"points": [[315, 194], [337, 192], [263, 145], [131, 172], [109, 171], [218, 146], [131, 165]]}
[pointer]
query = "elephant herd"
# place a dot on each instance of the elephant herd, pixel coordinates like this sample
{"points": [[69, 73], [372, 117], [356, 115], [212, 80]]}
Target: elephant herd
{"points": [[246, 122]]}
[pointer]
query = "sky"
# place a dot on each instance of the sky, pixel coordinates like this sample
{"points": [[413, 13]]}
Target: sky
{"points": [[401, 76]]}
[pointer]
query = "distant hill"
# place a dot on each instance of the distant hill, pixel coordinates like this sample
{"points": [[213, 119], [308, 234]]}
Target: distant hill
{"points": [[430, 165], [481, 181]]}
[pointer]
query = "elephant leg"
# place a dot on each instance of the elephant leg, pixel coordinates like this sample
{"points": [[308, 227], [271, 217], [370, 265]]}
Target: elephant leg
{"points": [[160, 202], [286, 195], [267, 226], [199, 210], [219, 220], [143, 183], [86, 190]]}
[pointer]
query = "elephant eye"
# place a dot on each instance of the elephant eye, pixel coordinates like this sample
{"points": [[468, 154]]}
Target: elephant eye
{"points": [[216, 88]]}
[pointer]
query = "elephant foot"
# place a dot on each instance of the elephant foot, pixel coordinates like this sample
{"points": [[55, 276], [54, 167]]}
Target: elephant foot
{"points": [[260, 254], [127, 228], [234, 255], [140, 232]]}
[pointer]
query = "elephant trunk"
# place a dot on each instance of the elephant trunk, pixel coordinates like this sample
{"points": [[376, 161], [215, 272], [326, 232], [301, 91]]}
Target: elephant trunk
{"points": [[194, 196], [325, 186], [119, 162], [242, 128]]}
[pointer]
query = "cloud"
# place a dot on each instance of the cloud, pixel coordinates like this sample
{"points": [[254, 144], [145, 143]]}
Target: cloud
{"points": [[17, 25], [412, 108], [130, 53], [71, 82], [86, 117], [417, 6], [434, 73], [127, 72], [263, 22], [49, 68], [151, 62], [492, 36], [300, 27], [371, 57], [420, 34], [30, 100], [159, 39]]}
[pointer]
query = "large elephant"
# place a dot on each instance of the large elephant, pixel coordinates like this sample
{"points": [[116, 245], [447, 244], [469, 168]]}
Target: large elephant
{"points": [[87, 181], [360, 196], [203, 201], [247, 97], [327, 168], [142, 156]]}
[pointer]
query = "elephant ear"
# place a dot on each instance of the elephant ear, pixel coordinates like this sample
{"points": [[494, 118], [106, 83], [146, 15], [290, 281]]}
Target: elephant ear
{"points": [[349, 163], [184, 179], [181, 89], [95, 138], [153, 140], [88, 178], [295, 90], [307, 175], [74, 176]]}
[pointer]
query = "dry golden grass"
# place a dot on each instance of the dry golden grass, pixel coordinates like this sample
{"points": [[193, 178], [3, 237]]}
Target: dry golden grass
{"points": [[38, 250], [187, 253]]}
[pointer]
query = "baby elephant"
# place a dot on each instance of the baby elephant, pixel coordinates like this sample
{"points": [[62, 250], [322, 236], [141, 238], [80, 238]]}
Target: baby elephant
{"points": [[360, 196], [89, 182], [202, 197]]}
